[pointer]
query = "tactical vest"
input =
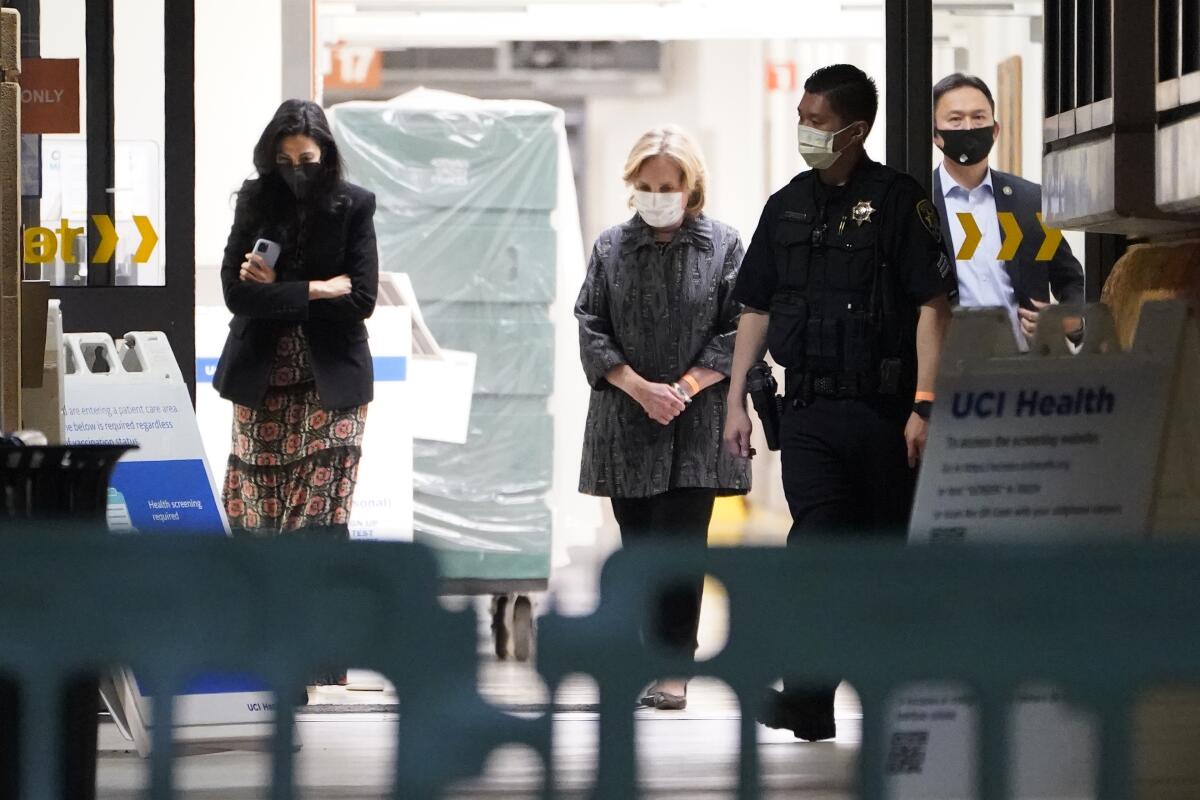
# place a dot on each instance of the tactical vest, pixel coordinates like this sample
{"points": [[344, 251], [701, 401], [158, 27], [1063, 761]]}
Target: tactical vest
{"points": [[834, 319]]}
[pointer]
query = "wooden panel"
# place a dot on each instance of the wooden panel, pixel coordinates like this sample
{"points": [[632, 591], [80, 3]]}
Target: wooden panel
{"points": [[1008, 111], [10, 42], [1151, 272], [10, 223]]}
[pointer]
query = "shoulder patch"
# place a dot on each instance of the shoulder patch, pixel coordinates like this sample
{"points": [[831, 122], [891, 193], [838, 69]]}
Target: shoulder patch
{"points": [[929, 218]]}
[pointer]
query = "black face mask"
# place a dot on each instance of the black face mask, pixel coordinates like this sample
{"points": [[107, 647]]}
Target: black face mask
{"points": [[300, 178], [967, 146]]}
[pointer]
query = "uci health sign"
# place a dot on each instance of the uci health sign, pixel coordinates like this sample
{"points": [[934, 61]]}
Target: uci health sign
{"points": [[1044, 447], [1038, 447]]}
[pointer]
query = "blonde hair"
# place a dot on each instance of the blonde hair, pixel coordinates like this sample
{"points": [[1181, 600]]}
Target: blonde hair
{"points": [[672, 142]]}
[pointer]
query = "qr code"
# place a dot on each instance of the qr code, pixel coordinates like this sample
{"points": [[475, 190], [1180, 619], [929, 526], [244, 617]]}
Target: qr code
{"points": [[907, 753]]}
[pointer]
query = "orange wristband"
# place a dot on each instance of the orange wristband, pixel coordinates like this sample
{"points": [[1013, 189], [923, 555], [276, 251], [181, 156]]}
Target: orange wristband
{"points": [[924, 397], [691, 382]]}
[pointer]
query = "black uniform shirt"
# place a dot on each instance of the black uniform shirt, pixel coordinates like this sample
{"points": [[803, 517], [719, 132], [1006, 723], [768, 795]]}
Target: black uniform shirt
{"points": [[910, 237]]}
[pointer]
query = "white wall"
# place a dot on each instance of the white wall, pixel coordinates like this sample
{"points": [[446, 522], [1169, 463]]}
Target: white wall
{"points": [[238, 88], [716, 90], [140, 120]]}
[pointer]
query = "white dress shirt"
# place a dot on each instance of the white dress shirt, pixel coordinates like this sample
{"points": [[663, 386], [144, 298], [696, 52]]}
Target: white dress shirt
{"points": [[982, 280]]}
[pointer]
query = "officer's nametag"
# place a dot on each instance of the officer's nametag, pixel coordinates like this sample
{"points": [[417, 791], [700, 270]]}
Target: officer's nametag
{"points": [[929, 218], [862, 212], [796, 216]]}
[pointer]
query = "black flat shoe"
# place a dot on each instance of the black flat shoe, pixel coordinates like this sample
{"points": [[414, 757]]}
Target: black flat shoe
{"points": [[665, 701]]}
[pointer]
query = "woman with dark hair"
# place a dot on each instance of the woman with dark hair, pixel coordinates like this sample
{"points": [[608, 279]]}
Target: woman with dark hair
{"points": [[296, 363]]}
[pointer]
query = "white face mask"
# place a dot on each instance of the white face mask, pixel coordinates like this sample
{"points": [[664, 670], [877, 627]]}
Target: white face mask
{"points": [[816, 146], [659, 209]]}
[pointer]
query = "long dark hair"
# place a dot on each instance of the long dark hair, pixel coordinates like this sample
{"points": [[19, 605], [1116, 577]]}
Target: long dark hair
{"points": [[295, 118]]}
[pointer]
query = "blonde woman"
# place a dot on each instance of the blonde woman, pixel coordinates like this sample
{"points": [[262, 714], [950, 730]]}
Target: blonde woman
{"points": [[656, 328]]}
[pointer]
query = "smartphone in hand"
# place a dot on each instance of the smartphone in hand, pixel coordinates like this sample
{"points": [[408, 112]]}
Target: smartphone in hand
{"points": [[268, 251]]}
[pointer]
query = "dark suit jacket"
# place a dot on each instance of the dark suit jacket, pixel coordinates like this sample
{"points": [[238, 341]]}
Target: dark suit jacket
{"points": [[1031, 279], [337, 241]]}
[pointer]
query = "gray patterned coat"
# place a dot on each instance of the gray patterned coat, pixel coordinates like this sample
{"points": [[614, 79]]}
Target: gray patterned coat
{"points": [[662, 310]]}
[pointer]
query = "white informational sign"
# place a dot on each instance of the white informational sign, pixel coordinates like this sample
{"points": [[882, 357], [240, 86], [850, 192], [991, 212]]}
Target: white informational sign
{"points": [[382, 507], [1029, 448], [1044, 447], [930, 749], [132, 392], [383, 499]]}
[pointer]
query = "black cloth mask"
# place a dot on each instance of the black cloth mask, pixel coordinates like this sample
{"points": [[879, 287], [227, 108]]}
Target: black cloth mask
{"points": [[967, 146], [300, 177]]}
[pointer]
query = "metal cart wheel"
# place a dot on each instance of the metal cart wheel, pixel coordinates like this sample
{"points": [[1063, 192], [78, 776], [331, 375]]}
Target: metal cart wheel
{"points": [[522, 628]]}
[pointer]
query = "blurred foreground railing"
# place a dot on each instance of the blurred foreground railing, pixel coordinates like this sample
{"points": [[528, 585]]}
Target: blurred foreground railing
{"points": [[1102, 623]]}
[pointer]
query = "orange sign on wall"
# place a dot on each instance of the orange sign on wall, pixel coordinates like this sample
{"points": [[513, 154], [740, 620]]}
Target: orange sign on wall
{"points": [[782, 76], [50, 95], [353, 67]]}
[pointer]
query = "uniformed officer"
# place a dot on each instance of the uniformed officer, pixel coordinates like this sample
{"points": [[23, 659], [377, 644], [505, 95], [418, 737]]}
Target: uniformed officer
{"points": [[848, 285]]}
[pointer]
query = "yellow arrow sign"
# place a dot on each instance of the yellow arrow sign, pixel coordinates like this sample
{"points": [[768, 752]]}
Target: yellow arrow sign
{"points": [[149, 239], [108, 239], [1012, 235], [972, 236], [1053, 241]]}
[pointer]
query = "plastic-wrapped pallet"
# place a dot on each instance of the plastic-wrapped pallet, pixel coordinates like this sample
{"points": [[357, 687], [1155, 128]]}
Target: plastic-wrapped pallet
{"points": [[474, 206]]}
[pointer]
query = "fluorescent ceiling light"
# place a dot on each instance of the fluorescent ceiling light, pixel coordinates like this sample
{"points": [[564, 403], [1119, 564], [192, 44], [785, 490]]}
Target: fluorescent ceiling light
{"points": [[400, 23]]}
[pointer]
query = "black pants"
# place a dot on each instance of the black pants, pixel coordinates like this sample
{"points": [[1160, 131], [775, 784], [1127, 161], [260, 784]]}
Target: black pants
{"points": [[845, 474], [680, 515]]}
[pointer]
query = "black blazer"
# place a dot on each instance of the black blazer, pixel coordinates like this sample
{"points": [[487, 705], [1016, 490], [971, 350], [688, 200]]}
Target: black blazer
{"points": [[339, 241], [1031, 279]]}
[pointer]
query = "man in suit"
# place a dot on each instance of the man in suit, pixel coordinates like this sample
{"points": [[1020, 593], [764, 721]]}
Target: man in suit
{"points": [[965, 129]]}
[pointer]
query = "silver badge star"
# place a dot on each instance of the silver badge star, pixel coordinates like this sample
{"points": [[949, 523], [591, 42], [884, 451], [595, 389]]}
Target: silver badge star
{"points": [[862, 212]]}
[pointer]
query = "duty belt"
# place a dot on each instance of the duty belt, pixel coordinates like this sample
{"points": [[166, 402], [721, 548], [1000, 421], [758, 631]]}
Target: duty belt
{"points": [[843, 385]]}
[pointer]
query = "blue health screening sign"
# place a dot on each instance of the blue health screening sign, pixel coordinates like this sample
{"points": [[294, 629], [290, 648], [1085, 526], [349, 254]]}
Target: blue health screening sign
{"points": [[168, 497]]}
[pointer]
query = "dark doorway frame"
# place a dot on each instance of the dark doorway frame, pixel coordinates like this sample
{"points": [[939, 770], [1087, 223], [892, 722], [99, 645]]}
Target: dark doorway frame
{"points": [[116, 310], [908, 39]]}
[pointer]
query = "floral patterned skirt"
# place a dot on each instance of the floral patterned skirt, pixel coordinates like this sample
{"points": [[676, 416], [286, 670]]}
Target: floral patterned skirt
{"points": [[294, 463]]}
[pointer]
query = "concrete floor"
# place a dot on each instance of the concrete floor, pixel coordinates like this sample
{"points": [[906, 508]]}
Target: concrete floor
{"points": [[348, 754], [348, 738]]}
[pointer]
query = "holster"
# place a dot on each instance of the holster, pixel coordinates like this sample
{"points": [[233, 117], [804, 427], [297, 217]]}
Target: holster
{"points": [[762, 387]]}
